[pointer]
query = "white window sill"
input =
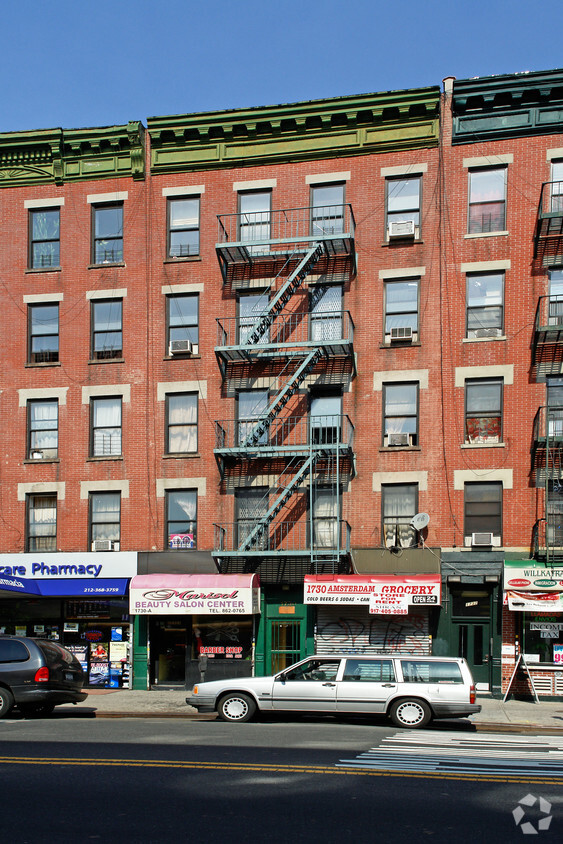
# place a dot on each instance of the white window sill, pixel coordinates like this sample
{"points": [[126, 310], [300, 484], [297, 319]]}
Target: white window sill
{"points": [[483, 339], [485, 234], [483, 445]]}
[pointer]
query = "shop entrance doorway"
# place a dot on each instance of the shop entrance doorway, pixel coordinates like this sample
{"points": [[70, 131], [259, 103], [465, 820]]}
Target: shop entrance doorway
{"points": [[168, 646], [286, 640], [471, 620]]}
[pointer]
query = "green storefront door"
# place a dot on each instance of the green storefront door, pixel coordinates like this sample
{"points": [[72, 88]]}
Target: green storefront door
{"points": [[471, 623], [284, 636]]}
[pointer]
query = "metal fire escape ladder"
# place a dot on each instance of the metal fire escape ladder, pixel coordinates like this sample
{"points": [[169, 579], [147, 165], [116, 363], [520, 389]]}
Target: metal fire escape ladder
{"points": [[257, 533], [284, 294], [282, 398]]}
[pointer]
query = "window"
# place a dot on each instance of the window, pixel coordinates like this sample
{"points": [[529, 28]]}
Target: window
{"points": [[43, 329], [42, 523], [483, 510], [557, 187], [181, 519], [107, 227], [44, 238], [251, 505], [483, 411], [400, 409], [555, 316], [369, 671], [251, 406], [183, 319], [326, 313], [181, 423], [399, 503], [403, 207], [487, 200], [107, 329], [250, 308], [325, 517], [554, 400], [254, 219], [105, 518], [106, 426], [485, 305], [43, 429], [325, 414], [183, 227], [401, 310], [327, 210]]}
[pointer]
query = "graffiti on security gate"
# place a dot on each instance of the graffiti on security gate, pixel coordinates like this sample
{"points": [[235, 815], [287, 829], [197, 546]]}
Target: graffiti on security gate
{"points": [[391, 635]]}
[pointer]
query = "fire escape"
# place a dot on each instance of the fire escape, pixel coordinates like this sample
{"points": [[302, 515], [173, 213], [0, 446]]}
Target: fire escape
{"points": [[548, 239], [292, 463]]}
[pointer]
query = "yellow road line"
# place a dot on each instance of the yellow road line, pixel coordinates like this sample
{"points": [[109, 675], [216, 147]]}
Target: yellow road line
{"points": [[251, 767]]}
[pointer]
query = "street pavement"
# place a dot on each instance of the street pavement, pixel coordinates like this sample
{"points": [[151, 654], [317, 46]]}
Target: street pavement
{"points": [[512, 716]]}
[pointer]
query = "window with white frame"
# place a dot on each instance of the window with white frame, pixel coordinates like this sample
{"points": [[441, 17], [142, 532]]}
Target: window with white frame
{"points": [[41, 522], [107, 329], [43, 333], [43, 429], [485, 304], [401, 310], [325, 517], [183, 227], [182, 315], [107, 233], [181, 423], [255, 208], [251, 505], [105, 520], [483, 513], [106, 426], [44, 238], [555, 310], [483, 410], [327, 210], [487, 200], [251, 407], [326, 313], [399, 504], [181, 519], [250, 307], [403, 197], [400, 414], [557, 186]]}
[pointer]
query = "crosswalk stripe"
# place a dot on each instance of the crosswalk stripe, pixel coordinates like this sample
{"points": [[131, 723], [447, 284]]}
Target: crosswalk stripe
{"points": [[461, 753]]}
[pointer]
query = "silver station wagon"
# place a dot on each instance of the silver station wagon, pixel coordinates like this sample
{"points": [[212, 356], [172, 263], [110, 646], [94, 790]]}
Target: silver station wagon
{"points": [[411, 690]]}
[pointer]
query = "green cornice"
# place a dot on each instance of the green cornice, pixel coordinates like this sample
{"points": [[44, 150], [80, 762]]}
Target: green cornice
{"points": [[345, 126], [496, 107], [57, 156]]}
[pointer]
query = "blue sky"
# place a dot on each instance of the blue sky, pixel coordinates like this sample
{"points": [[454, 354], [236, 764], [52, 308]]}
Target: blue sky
{"points": [[105, 62]]}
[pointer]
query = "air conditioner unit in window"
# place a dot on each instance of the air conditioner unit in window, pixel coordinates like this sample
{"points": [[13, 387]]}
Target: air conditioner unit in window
{"points": [[480, 540], [401, 333], [398, 439], [36, 454], [181, 347], [102, 545], [401, 228]]}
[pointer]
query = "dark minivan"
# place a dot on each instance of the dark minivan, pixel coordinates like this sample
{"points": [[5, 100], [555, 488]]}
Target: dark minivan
{"points": [[36, 675]]}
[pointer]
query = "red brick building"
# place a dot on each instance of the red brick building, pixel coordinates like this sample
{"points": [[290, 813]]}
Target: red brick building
{"points": [[256, 344]]}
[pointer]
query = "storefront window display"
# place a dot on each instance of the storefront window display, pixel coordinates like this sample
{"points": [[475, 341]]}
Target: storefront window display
{"points": [[543, 638], [97, 632]]}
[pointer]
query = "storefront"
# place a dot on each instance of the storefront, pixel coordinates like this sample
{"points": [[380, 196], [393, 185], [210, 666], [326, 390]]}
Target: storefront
{"points": [[78, 600], [379, 614], [200, 626], [533, 609]]}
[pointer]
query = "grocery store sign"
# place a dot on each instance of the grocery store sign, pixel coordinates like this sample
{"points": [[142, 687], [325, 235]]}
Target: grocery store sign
{"points": [[385, 594]]}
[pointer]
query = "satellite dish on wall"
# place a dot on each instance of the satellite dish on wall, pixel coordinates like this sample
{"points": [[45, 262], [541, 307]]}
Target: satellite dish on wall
{"points": [[420, 521]]}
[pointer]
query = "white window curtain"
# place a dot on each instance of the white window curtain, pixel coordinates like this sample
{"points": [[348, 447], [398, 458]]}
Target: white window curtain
{"points": [[182, 424], [107, 426]]}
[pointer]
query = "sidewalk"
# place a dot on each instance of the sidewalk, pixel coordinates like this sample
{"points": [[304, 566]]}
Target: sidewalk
{"points": [[512, 716]]}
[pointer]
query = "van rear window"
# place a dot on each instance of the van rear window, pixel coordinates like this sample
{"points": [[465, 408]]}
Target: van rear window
{"points": [[424, 671], [53, 653]]}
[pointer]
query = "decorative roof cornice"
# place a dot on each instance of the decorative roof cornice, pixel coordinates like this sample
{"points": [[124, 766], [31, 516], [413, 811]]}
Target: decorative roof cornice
{"points": [[344, 126], [495, 107], [66, 155]]}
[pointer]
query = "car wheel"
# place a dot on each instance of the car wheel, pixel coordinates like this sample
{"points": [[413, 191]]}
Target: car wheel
{"points": [[36, 710], [410, 713], [236, 707], [6, 701]]}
